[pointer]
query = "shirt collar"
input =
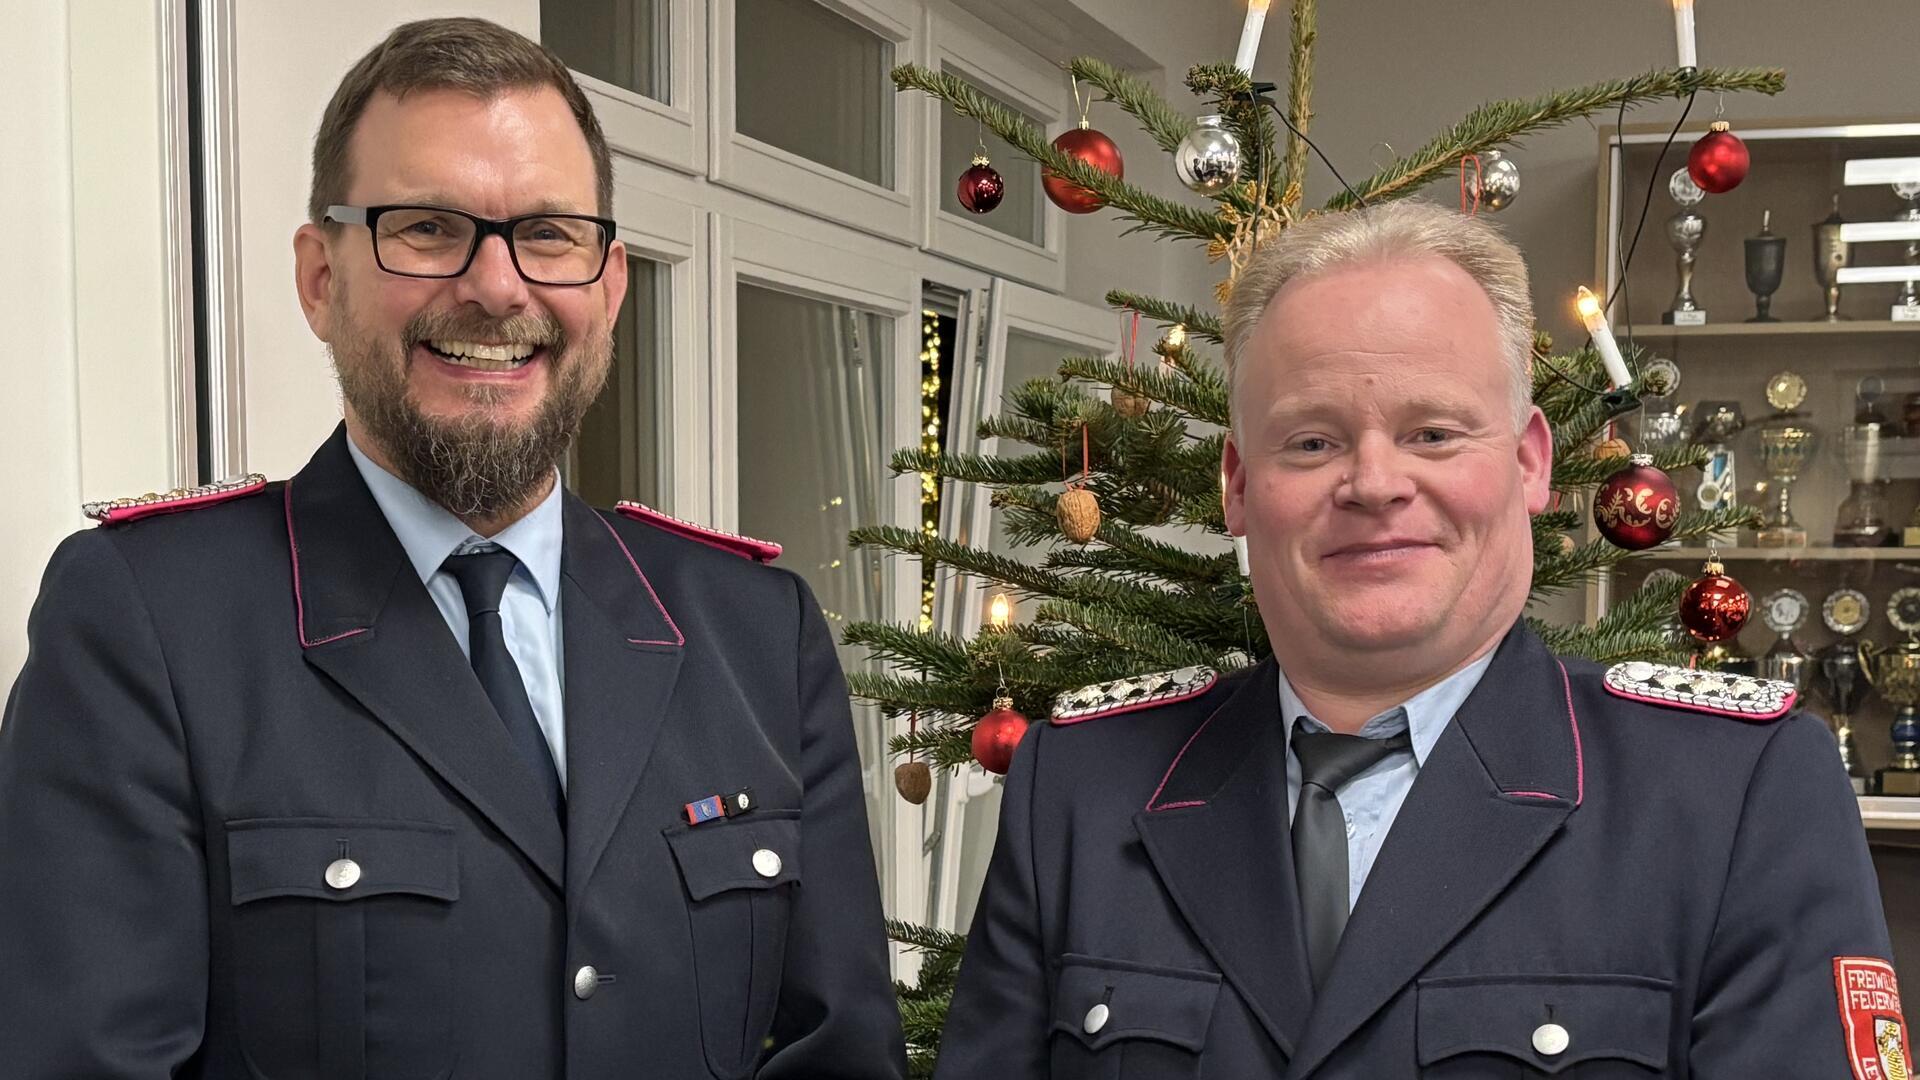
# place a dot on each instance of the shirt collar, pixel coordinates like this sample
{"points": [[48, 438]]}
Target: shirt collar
{"points": [[1425, 715], [428, 533]]}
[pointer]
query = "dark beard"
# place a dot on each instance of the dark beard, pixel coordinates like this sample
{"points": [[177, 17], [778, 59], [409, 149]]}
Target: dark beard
{"points": [[473, 465]]}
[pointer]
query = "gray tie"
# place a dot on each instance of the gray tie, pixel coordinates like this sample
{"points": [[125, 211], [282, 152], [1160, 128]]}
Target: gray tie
{"points": [[1327, 761]]}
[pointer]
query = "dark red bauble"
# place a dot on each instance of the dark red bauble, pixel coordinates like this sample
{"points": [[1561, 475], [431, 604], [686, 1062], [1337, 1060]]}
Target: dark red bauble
{"points": [[1715, 606], [980, 188], [1719, 161], [1096, 150], [997, 735], [1638, 506]]}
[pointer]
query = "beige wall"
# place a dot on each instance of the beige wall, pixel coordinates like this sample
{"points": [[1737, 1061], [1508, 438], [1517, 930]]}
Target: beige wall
{"points": [[1399, 71]]}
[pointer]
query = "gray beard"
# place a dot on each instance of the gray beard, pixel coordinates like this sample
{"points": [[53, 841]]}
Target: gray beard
{"points": [[473, 465]]}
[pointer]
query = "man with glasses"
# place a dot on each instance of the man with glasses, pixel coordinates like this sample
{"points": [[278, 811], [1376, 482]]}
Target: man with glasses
{"points": [[414, 765]]}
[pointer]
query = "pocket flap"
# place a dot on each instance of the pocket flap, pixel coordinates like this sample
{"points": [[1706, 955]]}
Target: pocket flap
{"points": [[1622, 1017], [1142, 1001], [291, 856], [758, 851]]}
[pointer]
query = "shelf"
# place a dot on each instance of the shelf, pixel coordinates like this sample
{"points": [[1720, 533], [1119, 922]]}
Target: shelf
{"points": [[1775, 329], [1786, 554], [1890, 812]]}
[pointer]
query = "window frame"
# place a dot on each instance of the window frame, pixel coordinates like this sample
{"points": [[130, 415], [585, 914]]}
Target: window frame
{"points": [[1009, 71], [672, 133], [788, 179]]}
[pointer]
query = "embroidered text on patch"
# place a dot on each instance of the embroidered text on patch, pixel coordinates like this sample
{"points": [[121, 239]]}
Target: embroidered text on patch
{"points": [[1870, 1018]]}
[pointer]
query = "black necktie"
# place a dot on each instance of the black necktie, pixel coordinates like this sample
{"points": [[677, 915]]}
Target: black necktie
{"points": [[483, 578], [1327, 761]]}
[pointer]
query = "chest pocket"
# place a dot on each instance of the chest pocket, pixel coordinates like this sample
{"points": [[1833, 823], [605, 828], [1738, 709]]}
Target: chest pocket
{"points": [[329, 915], [1588, 1027], [740, 875], [1118, 1020]]}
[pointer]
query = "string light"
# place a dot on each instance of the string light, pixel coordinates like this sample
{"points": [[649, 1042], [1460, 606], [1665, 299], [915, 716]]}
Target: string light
{"points": [[1683, 34], [1000, 611], [930, 343], [1250, 35]]}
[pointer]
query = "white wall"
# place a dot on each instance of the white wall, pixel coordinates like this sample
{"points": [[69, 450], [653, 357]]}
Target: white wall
{"points": [[290, 58]]}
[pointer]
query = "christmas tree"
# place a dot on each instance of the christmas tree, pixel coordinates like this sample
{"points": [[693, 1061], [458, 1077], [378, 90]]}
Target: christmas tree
{"points": [[1115, 451]]}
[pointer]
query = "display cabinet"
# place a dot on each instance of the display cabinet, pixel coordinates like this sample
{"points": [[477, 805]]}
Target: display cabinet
{"points": [[1788, 309]]}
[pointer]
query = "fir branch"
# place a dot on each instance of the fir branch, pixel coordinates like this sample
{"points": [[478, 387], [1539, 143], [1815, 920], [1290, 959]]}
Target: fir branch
{"points": [[1300, 90], [1151, 212], [1203, 398], [1130, 551], [1016, 575], [929, 654], [1499, 122], [1160, 120], [926, 939], [1157, 646], [1596, 555], [1040, 468], [1199, 324], [1582, 470]]}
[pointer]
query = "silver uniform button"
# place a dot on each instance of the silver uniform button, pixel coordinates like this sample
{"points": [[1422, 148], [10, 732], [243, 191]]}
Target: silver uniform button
{"points": [[1096, 1019], [343, 873], [585, 982], [1551, 1039], [766, 863]]}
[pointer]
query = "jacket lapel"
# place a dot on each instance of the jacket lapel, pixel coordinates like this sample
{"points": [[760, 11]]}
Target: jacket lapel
{"points": [[1216, 833], [622, 653], [365, 620], [1500, 782]]}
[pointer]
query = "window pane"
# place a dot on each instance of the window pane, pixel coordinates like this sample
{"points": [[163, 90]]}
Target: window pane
{"points": [[617, 455], [1019, 213], [813, 387], [814, 82], [1029, 357], [623, 42]]}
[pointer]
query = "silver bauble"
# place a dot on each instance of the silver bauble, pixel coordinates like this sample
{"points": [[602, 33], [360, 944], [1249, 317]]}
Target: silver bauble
{"points": [[1208, 159], [1499, 181]]}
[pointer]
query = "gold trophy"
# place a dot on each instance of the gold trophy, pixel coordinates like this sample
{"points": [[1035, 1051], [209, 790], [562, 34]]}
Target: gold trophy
{"points": [[1839, 671], [1895, 672], [1787, 443]]}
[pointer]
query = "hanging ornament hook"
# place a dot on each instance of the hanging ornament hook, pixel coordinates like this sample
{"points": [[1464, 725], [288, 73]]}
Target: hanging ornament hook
{"points": [[1078, 104], [1719, 105], [980, 135]]}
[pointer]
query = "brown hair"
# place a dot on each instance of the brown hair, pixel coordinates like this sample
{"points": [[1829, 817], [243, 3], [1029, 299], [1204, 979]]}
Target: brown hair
{"points": [[472, 55]]}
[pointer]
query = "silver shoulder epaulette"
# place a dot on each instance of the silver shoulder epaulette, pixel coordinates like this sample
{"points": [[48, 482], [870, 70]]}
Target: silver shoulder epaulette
{"points": [[117, 511], [1131, 693], [1742, 696]]}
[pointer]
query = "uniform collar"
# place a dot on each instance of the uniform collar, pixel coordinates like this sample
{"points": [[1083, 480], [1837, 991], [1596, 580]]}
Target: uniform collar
{"points": [[428, 533], [1424, 715]]}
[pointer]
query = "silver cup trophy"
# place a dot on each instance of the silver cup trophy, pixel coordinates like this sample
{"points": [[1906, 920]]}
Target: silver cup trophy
{"points": [[1861, 520], [1787, 443], [1830, 256], [1685, 230], [1784, 611], [1840, 675]]}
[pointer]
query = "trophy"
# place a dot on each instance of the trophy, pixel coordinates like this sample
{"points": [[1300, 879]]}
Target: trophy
{"points": [[1861, 520], [1840, 674], [1716, 423], [1685, 230], [1787, 443], [1784, 611], [1662, 426], [1830, 256], [1895, 672], [1907, 307], [1766, 265]]}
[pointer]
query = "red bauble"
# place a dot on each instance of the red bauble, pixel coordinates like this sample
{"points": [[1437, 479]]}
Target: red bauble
{"points": [[1096, 150], [1719, 161], [1715, 606], [1638, 506], [997, 735], [980, 188]]}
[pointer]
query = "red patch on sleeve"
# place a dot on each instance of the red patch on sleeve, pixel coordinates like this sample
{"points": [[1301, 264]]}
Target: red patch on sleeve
{"points": [[1870, 1018]]}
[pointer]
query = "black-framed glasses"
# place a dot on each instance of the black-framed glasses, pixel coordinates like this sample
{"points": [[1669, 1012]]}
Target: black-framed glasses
{"points": [[437, 242]]}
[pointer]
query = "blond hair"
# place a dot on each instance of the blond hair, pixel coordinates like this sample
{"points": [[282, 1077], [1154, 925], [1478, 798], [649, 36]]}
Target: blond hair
{"points": [[1403, 229]]}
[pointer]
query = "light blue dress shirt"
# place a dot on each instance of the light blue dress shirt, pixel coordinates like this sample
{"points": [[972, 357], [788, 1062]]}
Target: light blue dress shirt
{"points": [[1371, 800], [530, 608]]}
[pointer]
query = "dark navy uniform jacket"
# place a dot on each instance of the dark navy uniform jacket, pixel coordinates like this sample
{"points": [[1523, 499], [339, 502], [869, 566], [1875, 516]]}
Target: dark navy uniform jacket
{"points": [[1670, 888], [219, 704]]}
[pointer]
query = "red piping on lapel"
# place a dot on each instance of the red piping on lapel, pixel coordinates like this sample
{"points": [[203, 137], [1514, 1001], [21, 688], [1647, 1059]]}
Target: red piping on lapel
{"points": [[299, 603], [680, 639], [1151, 808], [1579, 757], [1531, 794]]}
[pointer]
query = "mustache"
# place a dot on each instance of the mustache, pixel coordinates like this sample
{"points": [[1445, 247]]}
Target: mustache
{"points": [[537, 330]]}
